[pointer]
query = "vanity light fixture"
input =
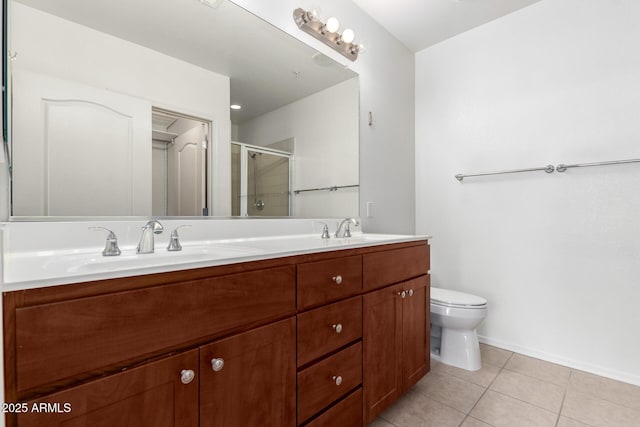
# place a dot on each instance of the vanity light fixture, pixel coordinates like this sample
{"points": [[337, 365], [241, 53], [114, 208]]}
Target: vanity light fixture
{"points": [[236, 107], [328, 33]]}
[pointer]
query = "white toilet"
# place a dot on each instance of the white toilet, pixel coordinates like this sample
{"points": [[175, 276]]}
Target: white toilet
{"points": [[454, 318]]}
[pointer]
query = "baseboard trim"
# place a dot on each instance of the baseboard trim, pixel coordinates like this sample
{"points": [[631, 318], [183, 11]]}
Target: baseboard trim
{"points": [[570, 363]]}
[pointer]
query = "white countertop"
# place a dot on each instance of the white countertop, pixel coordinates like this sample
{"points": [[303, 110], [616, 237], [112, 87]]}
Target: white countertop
{"points": [[34, 256]]}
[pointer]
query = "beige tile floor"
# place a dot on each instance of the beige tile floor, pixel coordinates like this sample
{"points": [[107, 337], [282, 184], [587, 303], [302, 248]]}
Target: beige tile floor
{"points": [[512, 390]]}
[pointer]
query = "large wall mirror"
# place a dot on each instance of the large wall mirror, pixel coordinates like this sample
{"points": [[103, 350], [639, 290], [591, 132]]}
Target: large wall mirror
{"points": [[123, 108]]}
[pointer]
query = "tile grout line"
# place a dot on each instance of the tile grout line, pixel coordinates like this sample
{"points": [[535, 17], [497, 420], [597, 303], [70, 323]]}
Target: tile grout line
{"points": [[485, 392], [515, 398], [443, 403], [525, 402], [572, 371], [386, 420], [536, 378], [529, 376], [564, 396], [530, 403], [593, 396], [606, 398], [502, 369]]}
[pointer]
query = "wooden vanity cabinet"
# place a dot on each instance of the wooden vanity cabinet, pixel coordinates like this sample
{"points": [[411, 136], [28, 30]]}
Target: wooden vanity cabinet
{"points": [[392, 332], [382, 358], [249, 379], [415, 332], [325, 281], [244, 380], [311, 340], [347, 412], [329, 339], [395, 336], [84, 335], [116, 350], [158, 394]]}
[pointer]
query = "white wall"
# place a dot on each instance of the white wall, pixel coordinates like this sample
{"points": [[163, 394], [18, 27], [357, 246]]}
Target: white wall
{"points": [[325, 126], [557, 256], [387, 89], [59, 48]]}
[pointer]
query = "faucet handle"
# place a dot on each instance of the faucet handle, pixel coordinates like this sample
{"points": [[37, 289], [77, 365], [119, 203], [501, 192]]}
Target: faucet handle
{"points": [[347, 231], [174, 240], [325, 230], [111, 247]]}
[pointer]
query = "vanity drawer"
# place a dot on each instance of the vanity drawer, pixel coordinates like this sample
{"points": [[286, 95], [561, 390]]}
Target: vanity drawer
{"points": [[393, 266], [150, 395], [347, 412], [318, 385], [325, 329], [65, 339], [321, 282]]}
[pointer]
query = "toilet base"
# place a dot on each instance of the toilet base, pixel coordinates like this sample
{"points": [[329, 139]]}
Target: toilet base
{"points": [[460, 348]]}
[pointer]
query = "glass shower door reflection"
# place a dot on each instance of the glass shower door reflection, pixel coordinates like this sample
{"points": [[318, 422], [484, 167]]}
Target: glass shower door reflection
{"points": [[260, 182]]}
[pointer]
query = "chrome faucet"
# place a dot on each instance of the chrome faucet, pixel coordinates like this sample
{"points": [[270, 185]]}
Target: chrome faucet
{"points": [[111, 246], [345, 223], [146, 245]]}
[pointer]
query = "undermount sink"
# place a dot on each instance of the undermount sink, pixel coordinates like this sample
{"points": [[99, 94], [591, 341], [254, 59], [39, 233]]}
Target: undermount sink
{"points": [[314, 242], [83, 263], [74, 265], [96, 262], [373, 237], [47, 265]]}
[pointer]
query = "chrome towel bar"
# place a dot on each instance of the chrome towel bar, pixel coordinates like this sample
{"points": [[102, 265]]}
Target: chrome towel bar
{"points": [[332, 188], [562, 167], [549, 168]]}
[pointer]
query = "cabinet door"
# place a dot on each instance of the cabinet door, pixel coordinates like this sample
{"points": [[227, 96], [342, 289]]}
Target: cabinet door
{"points": [[152, 395], [382, 339], [414, 331], [254, 381], [68, 338]]}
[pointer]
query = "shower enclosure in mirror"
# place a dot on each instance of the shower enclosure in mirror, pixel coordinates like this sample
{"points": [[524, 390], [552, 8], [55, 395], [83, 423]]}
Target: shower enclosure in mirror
{"points": [[260, 181], [89, 79]]}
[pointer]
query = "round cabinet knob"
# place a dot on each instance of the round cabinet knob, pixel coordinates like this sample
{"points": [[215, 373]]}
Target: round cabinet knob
{"points": [[337, 328], [402, 294], [217, 364], [337, 279], [186, 376], [410, 292], [337, 380]]}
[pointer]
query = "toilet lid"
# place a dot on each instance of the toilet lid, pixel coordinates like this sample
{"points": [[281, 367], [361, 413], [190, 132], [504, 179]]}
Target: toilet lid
{"points": [[455, 298]]}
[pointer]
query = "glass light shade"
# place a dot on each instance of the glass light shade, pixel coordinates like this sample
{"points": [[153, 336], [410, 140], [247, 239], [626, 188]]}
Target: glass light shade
{"points": [[316, 11], [313, 14], [348, 35], [332, 24], [236, 107]]}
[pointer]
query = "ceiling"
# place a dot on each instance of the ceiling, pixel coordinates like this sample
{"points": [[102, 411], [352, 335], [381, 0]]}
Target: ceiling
{"points": [[267, 67], [419, 24]]}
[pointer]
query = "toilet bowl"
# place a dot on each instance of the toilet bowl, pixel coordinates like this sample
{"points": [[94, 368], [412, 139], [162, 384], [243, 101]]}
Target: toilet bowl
{"points": [[454, 318]]}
